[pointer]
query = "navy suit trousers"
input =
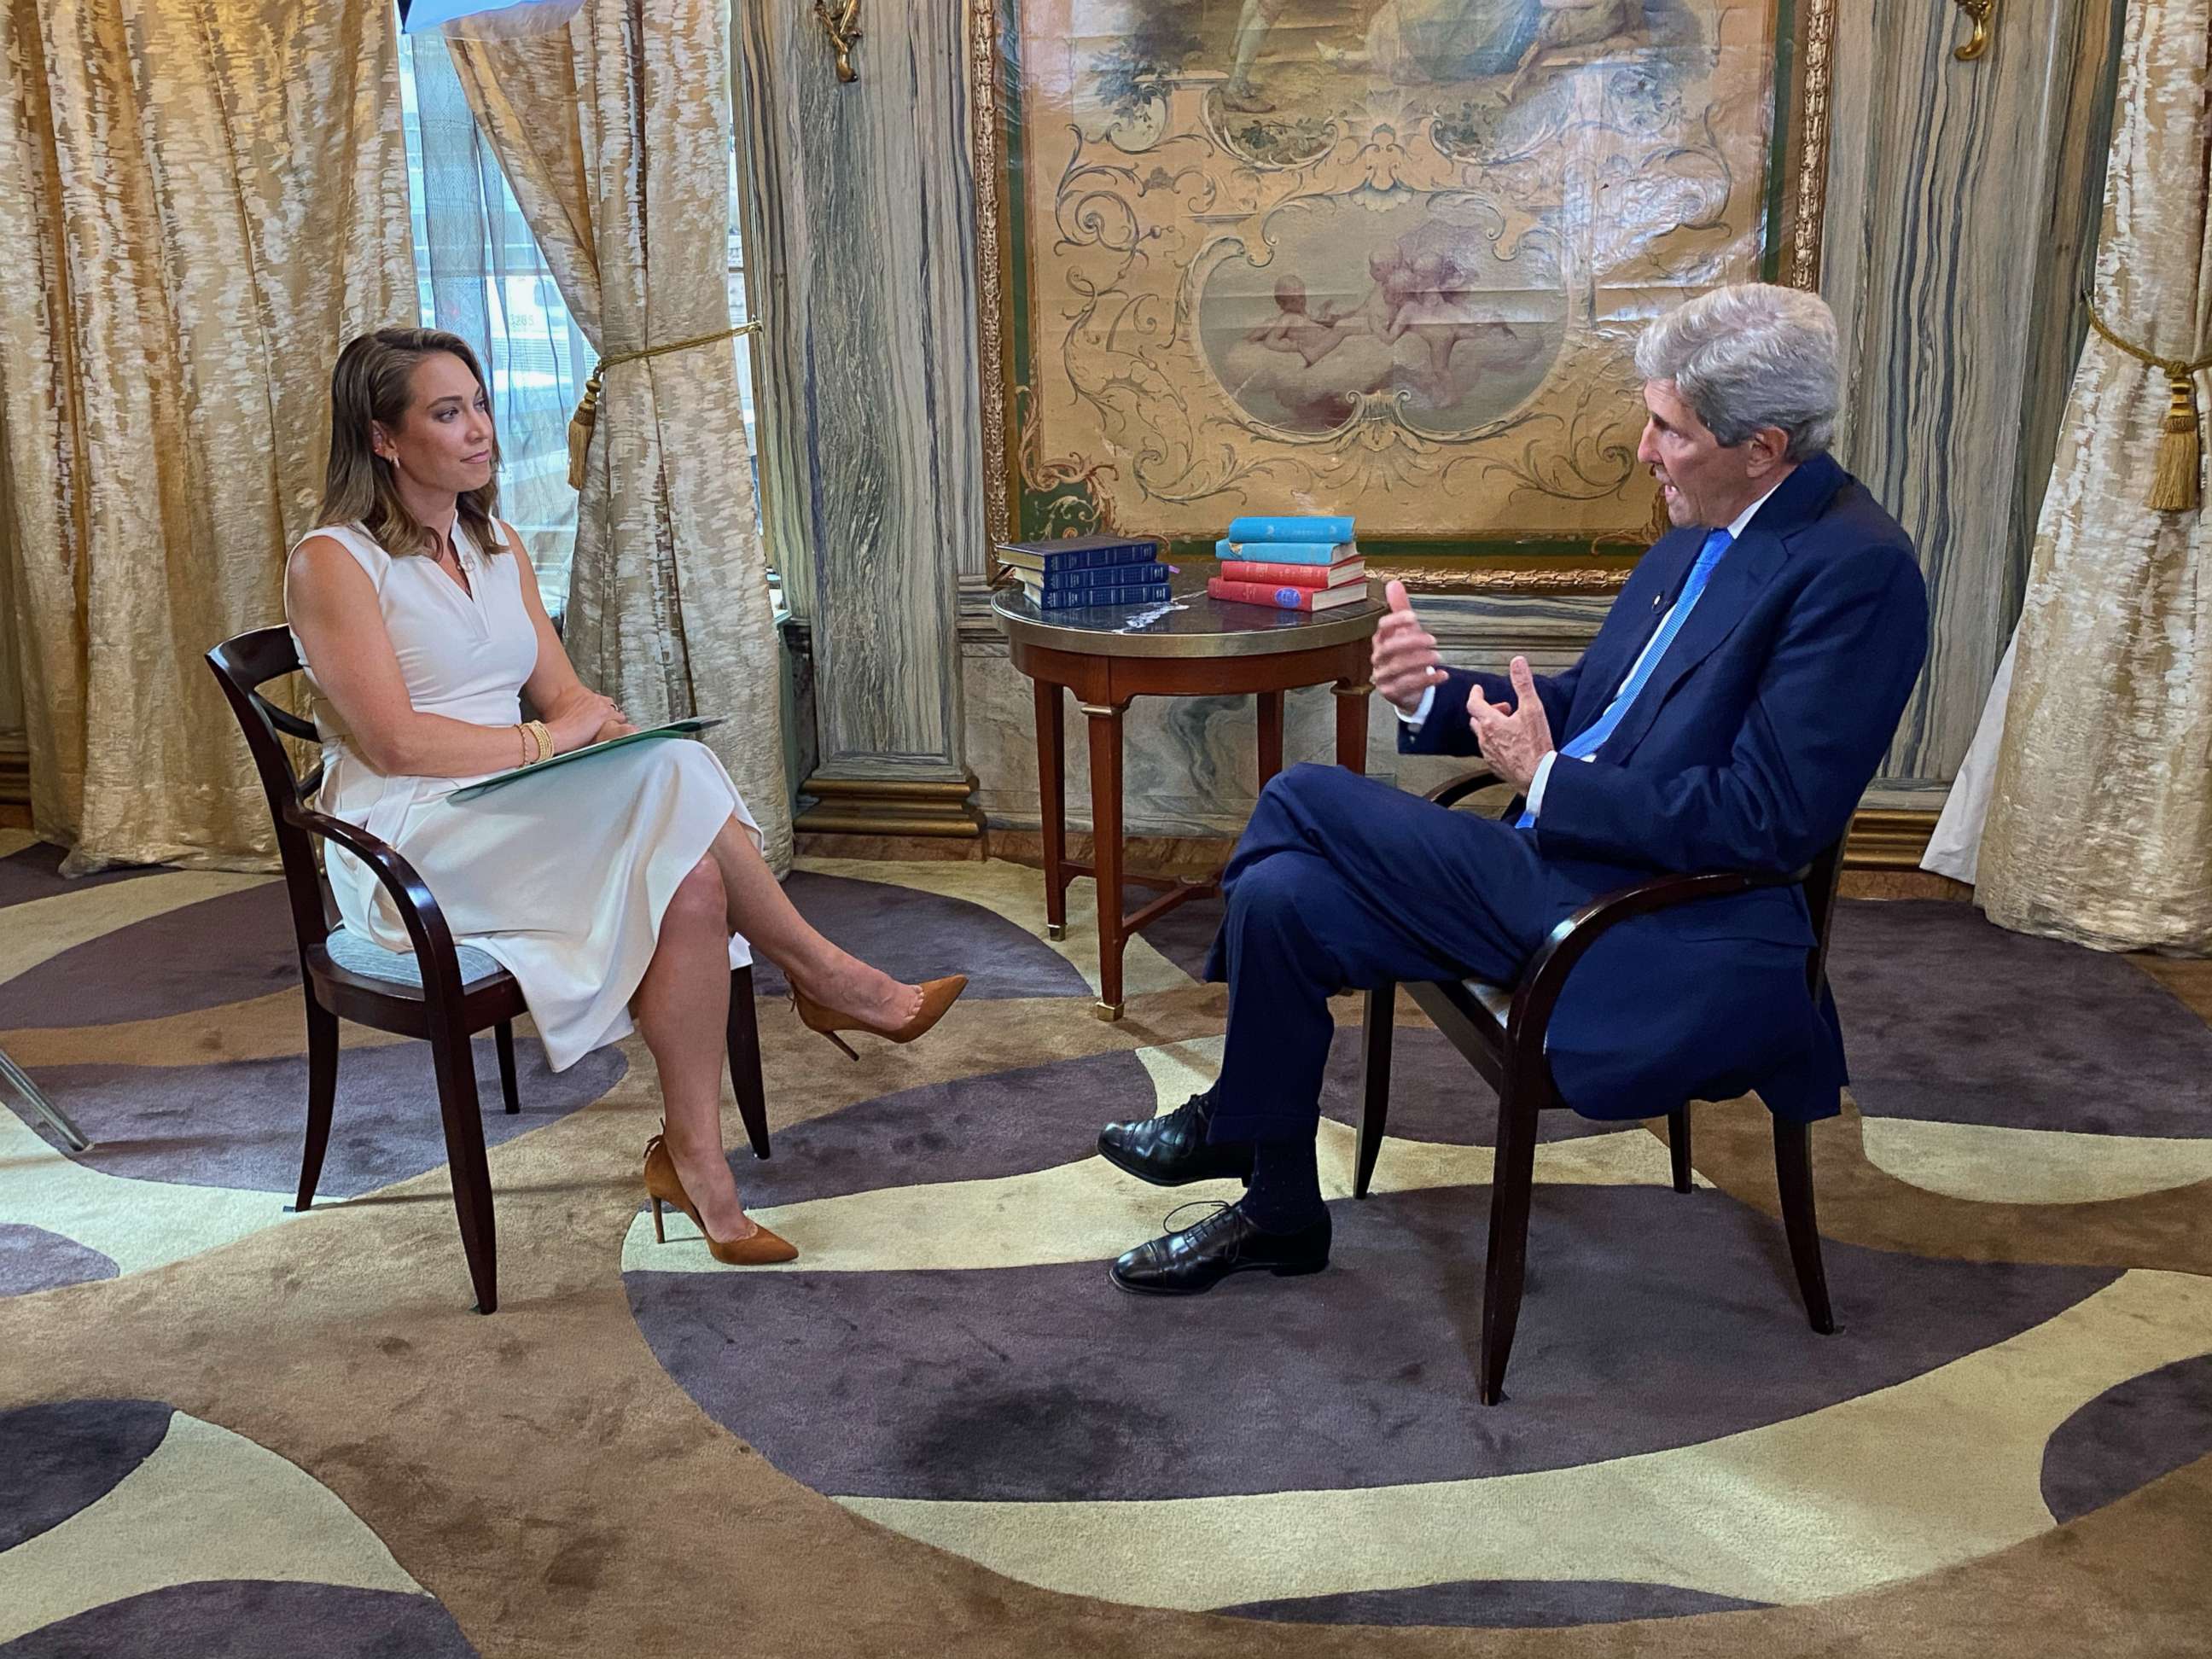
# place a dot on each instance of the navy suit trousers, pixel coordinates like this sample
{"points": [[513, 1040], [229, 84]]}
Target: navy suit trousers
{"points": [[1340, 883]]}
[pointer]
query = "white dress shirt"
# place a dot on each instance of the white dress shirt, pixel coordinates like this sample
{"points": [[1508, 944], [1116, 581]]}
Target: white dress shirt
{"points": [[1536, 803]]}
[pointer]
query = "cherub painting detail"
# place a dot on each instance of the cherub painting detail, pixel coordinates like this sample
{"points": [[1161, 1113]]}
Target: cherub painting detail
{"points": [[1427, 332]]}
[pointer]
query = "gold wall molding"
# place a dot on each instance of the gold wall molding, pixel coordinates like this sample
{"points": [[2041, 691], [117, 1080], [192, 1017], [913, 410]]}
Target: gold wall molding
{"points": [[1801, 266], [1889, 838], [1549, 581], [986, 132], [891, 806], [14, 769], [1880, 839]]}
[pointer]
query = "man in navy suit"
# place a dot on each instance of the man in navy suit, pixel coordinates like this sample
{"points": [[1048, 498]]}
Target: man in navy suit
{"points": [[1728, 716]]}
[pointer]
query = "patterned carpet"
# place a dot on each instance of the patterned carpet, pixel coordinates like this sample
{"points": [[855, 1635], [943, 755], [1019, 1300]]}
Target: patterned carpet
{"points": [[228, 1429]]}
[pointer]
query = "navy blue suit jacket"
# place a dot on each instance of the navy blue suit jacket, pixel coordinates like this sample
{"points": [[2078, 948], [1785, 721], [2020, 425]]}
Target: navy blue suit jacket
{"points": [[1748, 749]]}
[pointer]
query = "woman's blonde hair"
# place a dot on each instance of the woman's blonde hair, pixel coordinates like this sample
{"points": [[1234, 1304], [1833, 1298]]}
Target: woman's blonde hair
{"points": [[373, 385]]}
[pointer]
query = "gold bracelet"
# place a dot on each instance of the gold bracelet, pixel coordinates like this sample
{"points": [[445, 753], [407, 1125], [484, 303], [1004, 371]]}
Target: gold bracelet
{"points": [[542, 735], [528, 743]]}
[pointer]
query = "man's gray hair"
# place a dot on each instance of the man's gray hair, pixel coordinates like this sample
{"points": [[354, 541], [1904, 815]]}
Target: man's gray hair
{"points": [[1749, 356]]}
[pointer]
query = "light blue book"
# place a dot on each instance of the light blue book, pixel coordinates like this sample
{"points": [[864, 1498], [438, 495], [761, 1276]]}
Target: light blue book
{"points": [[1285, 552], [1292, 529]]}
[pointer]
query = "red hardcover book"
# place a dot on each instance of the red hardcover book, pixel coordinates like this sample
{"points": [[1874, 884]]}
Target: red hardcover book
{"points": [[1283, 598], [1277, 574]]}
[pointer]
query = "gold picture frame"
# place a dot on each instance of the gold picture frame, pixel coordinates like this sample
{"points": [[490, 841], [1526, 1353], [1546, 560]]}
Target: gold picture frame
{"points": [[1192, 198]]}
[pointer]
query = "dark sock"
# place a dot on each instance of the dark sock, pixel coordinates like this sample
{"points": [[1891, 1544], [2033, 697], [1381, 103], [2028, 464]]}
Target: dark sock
{"points": [[1286, 1192]]}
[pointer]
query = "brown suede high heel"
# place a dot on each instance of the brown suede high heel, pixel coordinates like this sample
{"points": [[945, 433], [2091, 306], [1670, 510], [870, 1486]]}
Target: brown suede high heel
{"points": [[664, 1186], [937, 995]]}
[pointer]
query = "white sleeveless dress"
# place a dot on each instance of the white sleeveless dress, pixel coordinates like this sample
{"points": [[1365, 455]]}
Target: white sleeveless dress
{"points": [[561, 879]]}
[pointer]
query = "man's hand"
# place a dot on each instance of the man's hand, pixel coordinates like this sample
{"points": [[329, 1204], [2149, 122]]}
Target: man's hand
{"points": [[1512, 743], [1406, 663]]}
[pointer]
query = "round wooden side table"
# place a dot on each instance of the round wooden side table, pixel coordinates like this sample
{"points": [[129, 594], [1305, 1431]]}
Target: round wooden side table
{"points": [[1191, 647]]}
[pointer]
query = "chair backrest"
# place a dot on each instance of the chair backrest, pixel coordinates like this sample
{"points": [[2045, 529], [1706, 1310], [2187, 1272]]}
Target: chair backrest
{"points": [[1822, 877], [242, 667]]}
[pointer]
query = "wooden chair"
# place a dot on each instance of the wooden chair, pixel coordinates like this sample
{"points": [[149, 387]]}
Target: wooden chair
{"points": [[1501, 1031], [441, 993]]}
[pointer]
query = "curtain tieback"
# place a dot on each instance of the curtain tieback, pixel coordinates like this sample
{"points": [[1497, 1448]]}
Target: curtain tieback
{"points": [[2176, 484], [587, 411]]}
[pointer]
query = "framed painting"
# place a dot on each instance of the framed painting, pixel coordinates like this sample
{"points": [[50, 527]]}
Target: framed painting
{"points": [[1382, 258]]}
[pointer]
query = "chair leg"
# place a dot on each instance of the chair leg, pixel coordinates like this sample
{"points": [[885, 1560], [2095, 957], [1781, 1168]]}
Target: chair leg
{"points": [[1793, 1176], [505, 1036], [1512, 1181], [746, 1060], [455, 1061], [1375, 1032], [1678, 1146], [30, 1094], [322, 1096]]}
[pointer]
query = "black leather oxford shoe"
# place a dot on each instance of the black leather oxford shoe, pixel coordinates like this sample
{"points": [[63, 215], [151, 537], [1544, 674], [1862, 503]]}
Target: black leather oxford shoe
{"points": [[1171, 1150], [1227, 1241]]}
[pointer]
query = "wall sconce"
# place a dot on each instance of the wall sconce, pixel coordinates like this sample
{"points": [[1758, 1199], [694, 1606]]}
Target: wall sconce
{"points": [[841, 20], [1983, 14]]}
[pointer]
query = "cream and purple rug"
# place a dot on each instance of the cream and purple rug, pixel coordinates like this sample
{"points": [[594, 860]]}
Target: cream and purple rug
{"points": [[228, 1429]]}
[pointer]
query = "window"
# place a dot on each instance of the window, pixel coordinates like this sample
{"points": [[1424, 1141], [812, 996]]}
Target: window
{"points": [[480, 274], [740, 310]]}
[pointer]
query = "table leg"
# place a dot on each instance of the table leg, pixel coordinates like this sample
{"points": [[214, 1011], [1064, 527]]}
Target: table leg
{"points": [[1106, 850], [1352, 726], [1271, 735], [1051, 791]]}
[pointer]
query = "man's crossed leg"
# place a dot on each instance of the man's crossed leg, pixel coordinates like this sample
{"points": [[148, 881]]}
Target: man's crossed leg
{"points": [[1339, 882]]}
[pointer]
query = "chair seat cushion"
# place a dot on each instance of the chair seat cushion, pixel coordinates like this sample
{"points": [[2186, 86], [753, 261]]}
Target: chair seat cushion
{"points": [[356, 955]]}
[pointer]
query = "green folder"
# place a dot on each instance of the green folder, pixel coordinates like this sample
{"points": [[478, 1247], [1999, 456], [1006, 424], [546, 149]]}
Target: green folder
{"points": [[683, 728]]}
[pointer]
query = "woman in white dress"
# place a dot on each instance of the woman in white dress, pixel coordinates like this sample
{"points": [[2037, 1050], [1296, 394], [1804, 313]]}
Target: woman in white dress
{"points": [[628, 883]]}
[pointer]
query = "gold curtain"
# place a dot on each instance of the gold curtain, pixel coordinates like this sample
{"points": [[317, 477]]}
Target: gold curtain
{"points": [[2100, 825], [613, 133], [198, 205]]}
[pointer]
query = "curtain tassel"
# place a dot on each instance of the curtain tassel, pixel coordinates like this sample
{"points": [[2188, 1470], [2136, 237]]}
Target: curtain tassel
{"points": [[586, 417], [2177, 486], [579, 431], [2177, 482]]}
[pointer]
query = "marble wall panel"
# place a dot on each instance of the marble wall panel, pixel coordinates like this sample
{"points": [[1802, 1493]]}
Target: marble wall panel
{"points": [[1962, 201], [861, 215]]}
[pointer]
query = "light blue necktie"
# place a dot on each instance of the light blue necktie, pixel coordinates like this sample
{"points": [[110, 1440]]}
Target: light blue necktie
{"points": [[1587, 741]]}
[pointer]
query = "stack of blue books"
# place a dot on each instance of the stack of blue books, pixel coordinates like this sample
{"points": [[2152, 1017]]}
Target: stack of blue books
{"points": [[1087, 570]]}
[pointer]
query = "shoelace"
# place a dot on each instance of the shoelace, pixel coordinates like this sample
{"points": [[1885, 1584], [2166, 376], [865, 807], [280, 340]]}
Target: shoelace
{"points": [[1192, 1112], [1215, 1210]]}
